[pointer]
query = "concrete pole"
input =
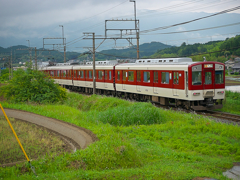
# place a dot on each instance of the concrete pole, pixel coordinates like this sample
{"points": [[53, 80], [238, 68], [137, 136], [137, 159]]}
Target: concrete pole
{"points": [[94, 72]]}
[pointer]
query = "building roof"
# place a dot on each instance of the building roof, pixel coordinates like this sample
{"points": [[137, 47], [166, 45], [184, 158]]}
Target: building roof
{"points": [[236, 66]]}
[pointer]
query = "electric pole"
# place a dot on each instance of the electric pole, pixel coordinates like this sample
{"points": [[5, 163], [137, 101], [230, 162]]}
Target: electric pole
{"points": [[93, 52]]}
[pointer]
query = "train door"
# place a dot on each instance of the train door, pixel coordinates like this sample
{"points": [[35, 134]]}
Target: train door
{"points": [[105, 75], [208, 79], [155, 82], [175, 83], [124, 79], [138, 81]]}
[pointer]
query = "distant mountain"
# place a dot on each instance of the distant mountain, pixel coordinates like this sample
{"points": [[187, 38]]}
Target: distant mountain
{"points": [[21, 53], [145, 49]]}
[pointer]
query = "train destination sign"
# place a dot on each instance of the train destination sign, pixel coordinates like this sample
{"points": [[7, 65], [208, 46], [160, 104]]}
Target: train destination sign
{"points": [[208, 65]]}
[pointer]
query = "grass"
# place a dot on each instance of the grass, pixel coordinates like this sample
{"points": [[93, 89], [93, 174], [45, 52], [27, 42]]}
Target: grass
{"points": [[231, 104], [37, 142], [136, 141]]}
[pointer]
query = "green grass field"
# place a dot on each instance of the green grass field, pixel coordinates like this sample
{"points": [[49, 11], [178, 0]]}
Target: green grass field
{"points": [[136, 141]]}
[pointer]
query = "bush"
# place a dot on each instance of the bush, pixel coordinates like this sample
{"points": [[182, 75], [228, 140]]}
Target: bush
{"points": [[32, 86], [236, 73]]}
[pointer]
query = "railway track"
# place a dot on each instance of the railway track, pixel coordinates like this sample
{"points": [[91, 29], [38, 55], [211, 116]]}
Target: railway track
{"points": [[223, 115]]}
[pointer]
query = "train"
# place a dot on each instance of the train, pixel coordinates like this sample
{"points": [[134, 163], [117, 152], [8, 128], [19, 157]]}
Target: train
{"points": [[176, 82]]}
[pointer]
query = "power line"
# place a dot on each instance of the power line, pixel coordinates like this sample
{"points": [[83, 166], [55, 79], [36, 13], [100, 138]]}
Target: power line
{"points": [[200, 29], [166, 27]]}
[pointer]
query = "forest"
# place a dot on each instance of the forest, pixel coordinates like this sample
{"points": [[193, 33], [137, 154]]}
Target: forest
{"points": [[220, 51]]}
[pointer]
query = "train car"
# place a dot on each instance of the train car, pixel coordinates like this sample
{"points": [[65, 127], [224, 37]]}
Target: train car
{"points": [[169, 81]]}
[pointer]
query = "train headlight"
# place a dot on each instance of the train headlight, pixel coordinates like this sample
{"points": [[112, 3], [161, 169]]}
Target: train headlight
{"points": [[196, 94], [220, 92]]}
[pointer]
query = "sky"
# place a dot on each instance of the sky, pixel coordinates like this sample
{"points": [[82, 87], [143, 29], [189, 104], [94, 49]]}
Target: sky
{"points": [[34, 20]]}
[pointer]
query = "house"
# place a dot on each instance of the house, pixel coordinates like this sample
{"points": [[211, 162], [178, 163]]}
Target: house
{"points": [[236, 67]]}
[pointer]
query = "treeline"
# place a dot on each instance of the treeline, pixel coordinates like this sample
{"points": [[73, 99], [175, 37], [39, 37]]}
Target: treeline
{"points": [[213, 51], [146, 49]]}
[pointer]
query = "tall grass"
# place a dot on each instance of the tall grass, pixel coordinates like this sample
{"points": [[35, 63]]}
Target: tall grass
{"points": [[136, 141], [231, 104]]}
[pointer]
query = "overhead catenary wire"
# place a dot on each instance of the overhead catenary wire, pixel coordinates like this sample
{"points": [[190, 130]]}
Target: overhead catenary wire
{"points": [[186, 22]]}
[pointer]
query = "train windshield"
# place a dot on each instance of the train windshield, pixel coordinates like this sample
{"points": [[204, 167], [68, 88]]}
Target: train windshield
{"points": [[219, 77], [197, 78]]}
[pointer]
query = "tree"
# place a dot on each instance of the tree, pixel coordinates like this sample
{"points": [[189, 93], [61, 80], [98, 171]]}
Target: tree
{"points": [[33, 86]]}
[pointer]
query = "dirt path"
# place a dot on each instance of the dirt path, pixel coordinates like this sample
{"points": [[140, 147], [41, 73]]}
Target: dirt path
{"points": [[78, 136]]}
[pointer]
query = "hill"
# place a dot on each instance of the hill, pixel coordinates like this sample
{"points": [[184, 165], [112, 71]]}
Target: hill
{"points": [[213, 50]]}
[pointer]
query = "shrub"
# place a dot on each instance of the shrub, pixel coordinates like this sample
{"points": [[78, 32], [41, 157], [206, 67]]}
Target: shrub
{"points": [[32, 86], [137, 114]]}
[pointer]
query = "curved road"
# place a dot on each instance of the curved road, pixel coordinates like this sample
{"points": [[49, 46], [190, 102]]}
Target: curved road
{"points": [[79, 136]]}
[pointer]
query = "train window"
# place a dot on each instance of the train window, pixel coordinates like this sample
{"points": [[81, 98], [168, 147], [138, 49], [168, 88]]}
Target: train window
{"points": [[130, 76], [175, 78], [165, 77], [110, 75], [146, 76], [208, 77], [155, 77], [100, 74], [64, 73], [124, 75], [106, 73], [139, 76], [118, 75], [90, 74], [81, 74], [196, 78], [58, 73], [74, 74], [52, 73], [219, 77]]}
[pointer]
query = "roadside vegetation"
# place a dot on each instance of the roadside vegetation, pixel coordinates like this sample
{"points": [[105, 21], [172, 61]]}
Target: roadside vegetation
{"points": [[231, 104], [36, 141], [136, 141], [32, 86]]}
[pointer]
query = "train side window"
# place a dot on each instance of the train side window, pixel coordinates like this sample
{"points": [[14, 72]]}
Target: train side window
{"points": [[146, 76], [52, 73], [118, 75], [74, 74], [130, 76], [124, 75], [106, 73], [110, 75], [139, 76], [196, 78], [58, 73], [208, 77], [81, 74], [175, 78], [100, 74], [155, 77], [64, 73], [165, 77], [219, 77], [90, 74]]}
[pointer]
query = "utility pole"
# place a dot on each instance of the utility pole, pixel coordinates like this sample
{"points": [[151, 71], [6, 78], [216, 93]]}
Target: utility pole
{"points": [[30, 53], [64, 43], [93, 52], [36, 58], [136, 27]]}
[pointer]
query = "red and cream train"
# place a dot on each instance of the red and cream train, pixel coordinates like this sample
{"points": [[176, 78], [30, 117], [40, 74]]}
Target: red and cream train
{"points": [[169, 81]]}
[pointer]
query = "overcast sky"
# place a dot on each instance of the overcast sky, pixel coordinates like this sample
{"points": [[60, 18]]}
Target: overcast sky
{"points": [[33, 20]]}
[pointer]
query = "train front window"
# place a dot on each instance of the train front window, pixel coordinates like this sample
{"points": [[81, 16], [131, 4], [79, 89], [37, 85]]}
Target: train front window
{"points": [[196, 78], [208, 77], [219, 77]]}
